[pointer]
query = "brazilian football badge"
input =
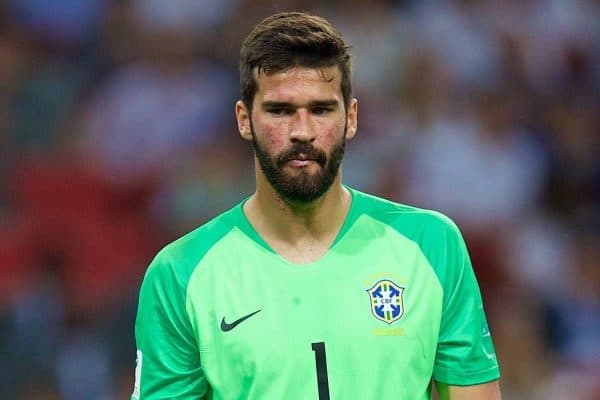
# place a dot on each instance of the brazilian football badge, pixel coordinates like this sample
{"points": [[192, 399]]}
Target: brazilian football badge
{"points": [[387, 303]]}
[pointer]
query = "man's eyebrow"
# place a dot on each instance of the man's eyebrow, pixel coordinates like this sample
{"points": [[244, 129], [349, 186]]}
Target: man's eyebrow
{"points": [[285, 104], [325, 103], [275, 104]]}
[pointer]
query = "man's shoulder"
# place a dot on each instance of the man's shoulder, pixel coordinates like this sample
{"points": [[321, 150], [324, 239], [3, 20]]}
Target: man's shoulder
{"points": [[402, 216], [200, 240], [181, 256], [435, 234]]}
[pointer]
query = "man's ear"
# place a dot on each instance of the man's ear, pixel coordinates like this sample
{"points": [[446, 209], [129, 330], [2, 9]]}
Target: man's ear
{"points": [[242, 115], [352, 119]]}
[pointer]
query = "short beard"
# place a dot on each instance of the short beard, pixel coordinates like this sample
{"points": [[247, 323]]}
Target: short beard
{"points": [[305, 187]]}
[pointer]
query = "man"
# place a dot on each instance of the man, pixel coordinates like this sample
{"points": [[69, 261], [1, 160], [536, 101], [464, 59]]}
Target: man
{"points": [[309, 289]]}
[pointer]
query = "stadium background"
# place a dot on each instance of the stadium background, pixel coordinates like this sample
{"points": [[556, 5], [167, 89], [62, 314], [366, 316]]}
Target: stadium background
{"points": [[117, 134]]}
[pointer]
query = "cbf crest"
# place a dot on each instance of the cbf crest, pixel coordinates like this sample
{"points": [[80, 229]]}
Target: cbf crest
{"points": [[387, 303]]}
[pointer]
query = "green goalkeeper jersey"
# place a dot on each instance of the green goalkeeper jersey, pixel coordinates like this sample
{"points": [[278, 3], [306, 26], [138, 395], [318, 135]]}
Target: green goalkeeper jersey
{"points": [[393, 304]]}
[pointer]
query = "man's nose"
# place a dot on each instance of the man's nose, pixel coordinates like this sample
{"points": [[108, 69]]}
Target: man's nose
{"points": [[301, 129]]}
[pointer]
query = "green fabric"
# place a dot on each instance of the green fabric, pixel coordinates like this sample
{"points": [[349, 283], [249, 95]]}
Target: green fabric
{"points": [[171, 367], [386, 255], [465, 354]]}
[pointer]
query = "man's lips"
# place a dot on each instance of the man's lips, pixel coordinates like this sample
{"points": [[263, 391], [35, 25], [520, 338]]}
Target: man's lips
{"points": [[300, 162], [302, 159]]}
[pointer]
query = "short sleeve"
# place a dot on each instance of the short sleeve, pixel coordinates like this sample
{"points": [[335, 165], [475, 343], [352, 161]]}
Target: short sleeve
{"points": [[465, 353], [168, 359]]}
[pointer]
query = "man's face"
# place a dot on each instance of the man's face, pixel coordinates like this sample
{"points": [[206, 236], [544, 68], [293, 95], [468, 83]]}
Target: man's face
{"points": [[298, 126]]}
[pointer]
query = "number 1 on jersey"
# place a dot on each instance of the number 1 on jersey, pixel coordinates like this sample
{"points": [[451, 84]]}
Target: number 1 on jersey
{"points": [[321, 362]]}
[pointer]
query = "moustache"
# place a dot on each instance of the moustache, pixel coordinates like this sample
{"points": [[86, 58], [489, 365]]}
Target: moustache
{"points": [[302, 151]]}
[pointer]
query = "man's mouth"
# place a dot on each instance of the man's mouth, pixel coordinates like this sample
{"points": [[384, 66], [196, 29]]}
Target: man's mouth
{"points": [[302, 159], [297, 162]]}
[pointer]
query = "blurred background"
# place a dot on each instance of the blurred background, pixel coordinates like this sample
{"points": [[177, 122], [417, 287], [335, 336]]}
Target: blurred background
{"points": [[117, 135]]}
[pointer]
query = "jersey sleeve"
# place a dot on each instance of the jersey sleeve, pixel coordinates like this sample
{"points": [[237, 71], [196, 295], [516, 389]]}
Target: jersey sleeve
{"points": [[168, 359], [465, 353]]}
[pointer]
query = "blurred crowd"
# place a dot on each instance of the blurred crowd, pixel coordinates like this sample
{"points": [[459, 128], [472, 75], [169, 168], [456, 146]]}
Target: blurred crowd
{"points": [[117, 135]]}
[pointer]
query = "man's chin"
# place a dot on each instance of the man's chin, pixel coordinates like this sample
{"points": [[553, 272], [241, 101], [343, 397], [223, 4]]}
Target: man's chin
{"points": [[300, 198], [302, 192]]}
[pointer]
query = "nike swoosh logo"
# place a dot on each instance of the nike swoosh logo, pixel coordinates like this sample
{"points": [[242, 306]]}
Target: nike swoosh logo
{"points": [[225, 327]]}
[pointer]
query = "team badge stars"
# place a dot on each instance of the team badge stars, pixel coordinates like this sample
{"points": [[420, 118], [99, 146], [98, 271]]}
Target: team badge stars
{"points": [[387, 304]]}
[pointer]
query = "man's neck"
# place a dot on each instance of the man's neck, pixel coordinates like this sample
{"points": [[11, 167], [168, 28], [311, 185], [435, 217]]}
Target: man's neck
{"points": [[298, 232]]}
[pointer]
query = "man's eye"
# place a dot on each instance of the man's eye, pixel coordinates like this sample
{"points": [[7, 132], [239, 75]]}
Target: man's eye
{"points": [[320, 110], [278, 111]]}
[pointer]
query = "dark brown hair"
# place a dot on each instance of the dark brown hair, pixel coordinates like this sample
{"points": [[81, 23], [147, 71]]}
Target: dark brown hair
{"points": [[286, 40]]}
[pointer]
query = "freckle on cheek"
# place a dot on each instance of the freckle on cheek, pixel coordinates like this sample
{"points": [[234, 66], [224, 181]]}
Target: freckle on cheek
{"points": [[332, 132], [276, 142], [273, 136]]}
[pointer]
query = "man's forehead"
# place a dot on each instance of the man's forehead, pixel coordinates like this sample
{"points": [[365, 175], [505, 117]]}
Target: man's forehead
{"points": [[327, 74], [298, 76]]}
